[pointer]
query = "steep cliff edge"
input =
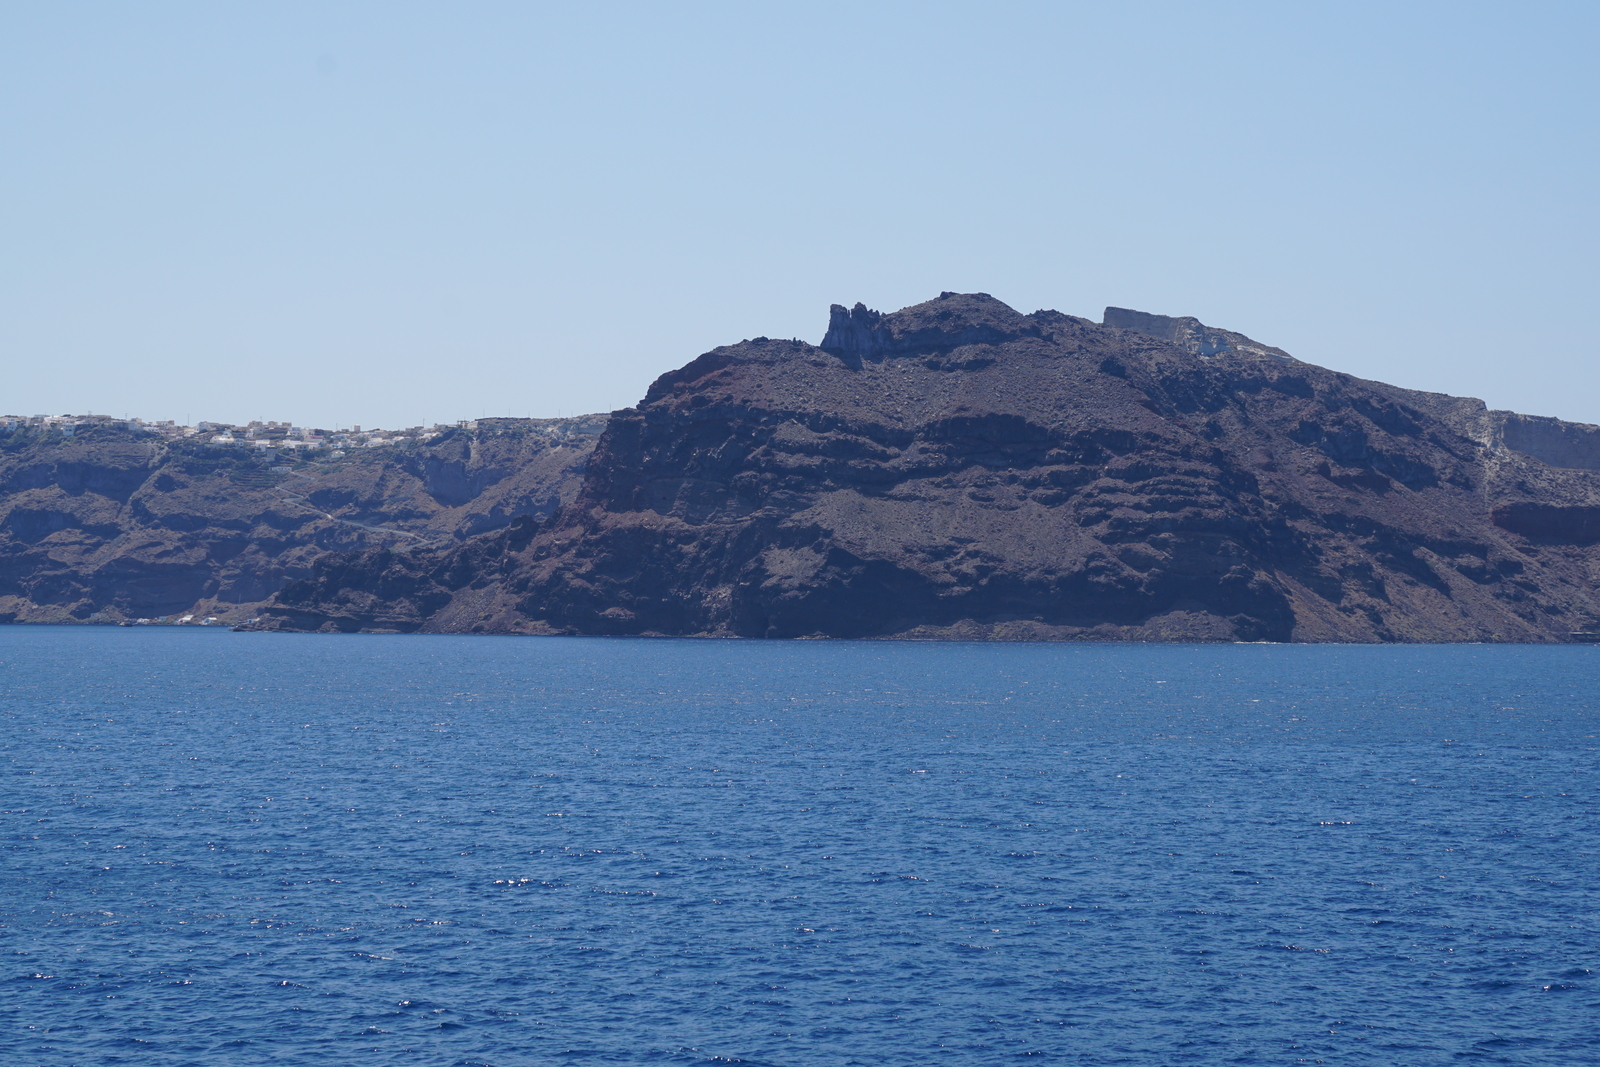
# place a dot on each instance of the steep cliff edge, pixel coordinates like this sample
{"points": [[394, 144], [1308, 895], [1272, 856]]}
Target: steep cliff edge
{"points": [[960, 470], [110, 525]]}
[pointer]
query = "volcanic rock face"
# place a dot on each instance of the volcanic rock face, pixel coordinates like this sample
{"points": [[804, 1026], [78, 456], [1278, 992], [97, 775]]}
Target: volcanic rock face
{"points": [[110, 526], [960, 470]]}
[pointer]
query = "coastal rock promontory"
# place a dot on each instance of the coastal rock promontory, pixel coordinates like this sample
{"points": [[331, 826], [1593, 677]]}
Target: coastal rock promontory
{"points": [[958, 469]]}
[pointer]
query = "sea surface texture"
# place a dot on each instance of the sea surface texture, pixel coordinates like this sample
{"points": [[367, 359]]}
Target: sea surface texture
{"points": [[249, 849]]}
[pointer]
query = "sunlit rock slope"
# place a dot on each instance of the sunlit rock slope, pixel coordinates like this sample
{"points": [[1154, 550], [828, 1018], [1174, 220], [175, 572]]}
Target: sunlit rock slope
{"points": [[960, 470]]}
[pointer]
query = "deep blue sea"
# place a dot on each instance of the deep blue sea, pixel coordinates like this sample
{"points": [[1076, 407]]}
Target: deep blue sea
{"points": [[249, 849]]}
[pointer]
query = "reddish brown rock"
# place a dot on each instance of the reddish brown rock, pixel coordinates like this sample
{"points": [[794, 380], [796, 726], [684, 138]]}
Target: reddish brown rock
{"points": [[960, 470]]}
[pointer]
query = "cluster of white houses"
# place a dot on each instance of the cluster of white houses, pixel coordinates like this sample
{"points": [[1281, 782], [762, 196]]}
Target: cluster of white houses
{"points": [[256, 435]]}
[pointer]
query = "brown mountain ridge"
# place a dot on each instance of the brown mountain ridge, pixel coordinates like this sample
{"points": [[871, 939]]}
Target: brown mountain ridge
{"points": [[958, 469]]}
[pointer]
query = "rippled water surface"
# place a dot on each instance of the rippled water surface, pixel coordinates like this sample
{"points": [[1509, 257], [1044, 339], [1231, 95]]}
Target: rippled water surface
{"points": [[273, 849]]}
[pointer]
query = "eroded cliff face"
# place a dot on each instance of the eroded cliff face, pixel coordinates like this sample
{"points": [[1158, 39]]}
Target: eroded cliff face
{"points": [[960, 470], [110, 526]]}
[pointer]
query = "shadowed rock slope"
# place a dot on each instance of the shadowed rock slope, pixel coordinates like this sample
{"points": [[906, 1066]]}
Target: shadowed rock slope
{"points": [[960, 470], [111, 526]]}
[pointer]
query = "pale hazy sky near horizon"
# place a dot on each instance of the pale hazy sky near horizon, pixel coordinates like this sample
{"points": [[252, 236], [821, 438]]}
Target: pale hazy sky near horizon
{"points": [[392, 213]]}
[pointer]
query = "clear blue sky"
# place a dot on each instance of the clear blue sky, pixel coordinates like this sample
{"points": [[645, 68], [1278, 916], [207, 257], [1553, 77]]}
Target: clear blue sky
{"points": [[389, 213]]}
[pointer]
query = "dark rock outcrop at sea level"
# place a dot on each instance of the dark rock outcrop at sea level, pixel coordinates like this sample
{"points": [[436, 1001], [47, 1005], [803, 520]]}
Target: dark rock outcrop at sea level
{"points": [[960, 470]]}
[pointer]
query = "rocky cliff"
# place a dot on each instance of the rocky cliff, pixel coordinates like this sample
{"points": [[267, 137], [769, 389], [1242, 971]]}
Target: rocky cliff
{"points": [[960, 470], [110, 525]]}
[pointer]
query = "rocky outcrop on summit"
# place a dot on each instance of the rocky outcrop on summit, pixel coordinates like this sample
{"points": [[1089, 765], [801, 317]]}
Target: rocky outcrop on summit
{"points": [[110, 525], [1192, 335], [947, 324], [958, 469]]}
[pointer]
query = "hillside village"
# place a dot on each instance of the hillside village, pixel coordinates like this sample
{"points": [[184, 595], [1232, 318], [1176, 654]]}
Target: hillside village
{"points": [[257, 435], [107, 520]]}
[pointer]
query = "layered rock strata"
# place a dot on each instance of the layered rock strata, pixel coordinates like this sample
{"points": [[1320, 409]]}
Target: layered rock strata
{"points": [[113, 526], [960, 470]]}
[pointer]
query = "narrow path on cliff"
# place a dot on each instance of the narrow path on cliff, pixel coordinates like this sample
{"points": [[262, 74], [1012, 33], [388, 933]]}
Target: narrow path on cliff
{"points": [[306, 503]]}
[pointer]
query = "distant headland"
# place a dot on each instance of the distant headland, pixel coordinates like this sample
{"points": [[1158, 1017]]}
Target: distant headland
{"points": [[953, 470], [108, 520]]}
